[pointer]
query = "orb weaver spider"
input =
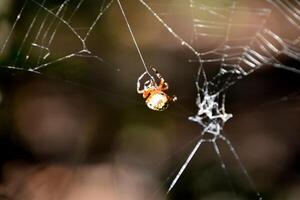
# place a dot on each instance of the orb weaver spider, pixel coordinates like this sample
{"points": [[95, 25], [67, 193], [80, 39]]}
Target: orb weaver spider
{"points": [[156, 98]]}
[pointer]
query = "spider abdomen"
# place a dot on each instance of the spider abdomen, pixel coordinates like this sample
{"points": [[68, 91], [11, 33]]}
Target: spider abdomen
{"points": [[157, 101]]}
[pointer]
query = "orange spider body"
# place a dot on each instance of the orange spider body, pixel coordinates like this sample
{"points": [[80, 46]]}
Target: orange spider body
{"points": [[156, 98]]}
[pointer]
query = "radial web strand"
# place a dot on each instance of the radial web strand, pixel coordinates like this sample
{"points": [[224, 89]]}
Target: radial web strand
{"points": [[242, 47]]}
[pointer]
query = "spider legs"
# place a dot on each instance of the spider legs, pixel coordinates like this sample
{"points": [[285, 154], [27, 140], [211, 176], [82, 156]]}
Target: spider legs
{"points": [[151, 85], [163, 85], [138, 84], [156, 73]]}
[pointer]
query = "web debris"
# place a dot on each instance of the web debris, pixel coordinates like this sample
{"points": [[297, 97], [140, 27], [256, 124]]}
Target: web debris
{"points": [[237, 56], [211, 116]]}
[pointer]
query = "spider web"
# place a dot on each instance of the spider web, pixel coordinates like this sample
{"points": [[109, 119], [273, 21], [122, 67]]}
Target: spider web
{"points": [[36, 51], [240, 48], [32, 45]]}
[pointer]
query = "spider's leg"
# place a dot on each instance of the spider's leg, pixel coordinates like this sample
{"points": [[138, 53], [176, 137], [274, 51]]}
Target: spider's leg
{"points": [[164, 85], [148, 84], [243, 168], [183, 167], [162, 80], [146, 93], [156, 73], [173, 98], [138, 84]]}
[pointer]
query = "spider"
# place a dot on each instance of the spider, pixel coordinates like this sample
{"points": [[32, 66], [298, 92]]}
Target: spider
{"points": [[156, 98]]}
